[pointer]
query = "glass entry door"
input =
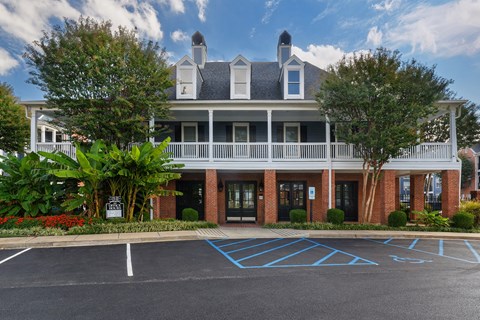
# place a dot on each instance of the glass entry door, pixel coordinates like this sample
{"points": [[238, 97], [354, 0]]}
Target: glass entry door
{"points": [[346, 198], [291, 195], [241, 202]]}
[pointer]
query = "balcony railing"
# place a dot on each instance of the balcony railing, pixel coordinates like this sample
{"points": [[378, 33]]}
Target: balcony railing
{"points": [[259, 151]]}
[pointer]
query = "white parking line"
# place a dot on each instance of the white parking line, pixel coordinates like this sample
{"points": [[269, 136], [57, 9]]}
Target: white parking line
{"points": [[16, 254], [129, 261]]}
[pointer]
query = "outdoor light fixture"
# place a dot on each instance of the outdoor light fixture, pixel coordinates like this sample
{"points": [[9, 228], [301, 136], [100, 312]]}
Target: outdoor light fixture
{"points": [[260, 187], [220, 186]]}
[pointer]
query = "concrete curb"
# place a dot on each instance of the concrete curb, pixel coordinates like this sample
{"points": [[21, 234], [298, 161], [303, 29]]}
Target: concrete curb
{"points": [[220, 233]]}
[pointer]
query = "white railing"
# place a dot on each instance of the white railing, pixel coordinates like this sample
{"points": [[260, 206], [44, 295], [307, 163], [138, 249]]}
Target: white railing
{"points": [[299, 151], [258, 151], [66, 147], [240, 151]]}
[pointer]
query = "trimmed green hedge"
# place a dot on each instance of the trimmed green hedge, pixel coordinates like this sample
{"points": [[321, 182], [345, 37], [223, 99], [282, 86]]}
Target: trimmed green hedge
{"points": [[463, 220], [397, 219], [335, 216], [298, 215], [189, 214]]}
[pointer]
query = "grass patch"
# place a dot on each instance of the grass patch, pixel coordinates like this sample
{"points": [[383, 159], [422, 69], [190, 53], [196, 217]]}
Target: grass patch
{"points": [[329, 226]]}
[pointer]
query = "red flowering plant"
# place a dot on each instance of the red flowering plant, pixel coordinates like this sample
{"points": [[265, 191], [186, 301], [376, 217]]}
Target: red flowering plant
{"points": [[63, 221]]}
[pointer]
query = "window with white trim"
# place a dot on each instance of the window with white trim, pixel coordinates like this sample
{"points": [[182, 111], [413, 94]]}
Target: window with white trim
{"points": [[293, 78], [186, 78], [240, 74]]}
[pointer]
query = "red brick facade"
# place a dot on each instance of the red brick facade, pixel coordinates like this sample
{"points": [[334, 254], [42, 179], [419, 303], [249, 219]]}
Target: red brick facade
{"points": [[417, 195], [450, 190], [271, 202], [165, 207], [211, 196]]}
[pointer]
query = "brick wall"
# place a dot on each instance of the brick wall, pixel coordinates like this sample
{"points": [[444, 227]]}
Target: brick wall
{"points": [[271, 202], [211, 196], [417, 195], [450, 192], [164, 207]]}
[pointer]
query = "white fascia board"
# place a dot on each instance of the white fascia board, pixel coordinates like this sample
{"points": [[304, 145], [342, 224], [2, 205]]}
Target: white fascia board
{"points": [[260, 105]]}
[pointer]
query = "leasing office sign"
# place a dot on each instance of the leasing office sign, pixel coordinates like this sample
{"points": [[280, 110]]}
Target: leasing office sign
{"points": [[114, 207]]}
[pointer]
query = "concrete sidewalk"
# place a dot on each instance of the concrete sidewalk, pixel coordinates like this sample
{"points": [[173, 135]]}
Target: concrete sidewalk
{"points": [[219, 233]]}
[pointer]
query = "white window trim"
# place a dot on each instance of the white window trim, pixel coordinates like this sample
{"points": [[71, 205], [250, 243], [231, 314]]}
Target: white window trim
{"points": [[291, 124], [193, 69], [286, 68], [190, 124], [241, 124], [240, 150], [189, 151], [233, 68]]}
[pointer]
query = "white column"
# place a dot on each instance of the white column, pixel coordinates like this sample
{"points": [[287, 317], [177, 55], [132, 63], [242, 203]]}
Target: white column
{"points": [[269, 134], [33, 131], [329, 160], [210, 135], [151, 127], [54, 136], [453, 133]]}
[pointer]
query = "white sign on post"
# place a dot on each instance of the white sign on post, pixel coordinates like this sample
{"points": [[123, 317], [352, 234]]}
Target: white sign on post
{"points": [[114, 207], [311, 193]]}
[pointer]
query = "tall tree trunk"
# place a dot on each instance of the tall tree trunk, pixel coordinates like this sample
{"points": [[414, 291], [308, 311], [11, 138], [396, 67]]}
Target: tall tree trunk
{"points": [[365, 173]]}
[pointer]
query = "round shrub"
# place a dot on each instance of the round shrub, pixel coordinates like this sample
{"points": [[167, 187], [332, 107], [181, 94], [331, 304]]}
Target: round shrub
{"points": [[189, 214], [298, 215], [397, 219], [335, 216], [463, 220]]}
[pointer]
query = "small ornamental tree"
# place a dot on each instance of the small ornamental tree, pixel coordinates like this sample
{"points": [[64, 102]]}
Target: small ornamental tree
{"points": [[376, 101], [14, 127], [105, 83]]}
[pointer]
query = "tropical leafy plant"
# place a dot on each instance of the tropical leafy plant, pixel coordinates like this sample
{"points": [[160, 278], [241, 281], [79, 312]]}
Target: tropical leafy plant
{"points": [[431, 219]]}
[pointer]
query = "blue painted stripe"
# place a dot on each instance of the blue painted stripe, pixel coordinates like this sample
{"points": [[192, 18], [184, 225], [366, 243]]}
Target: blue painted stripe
{"points": [[475, 253], [290, 255], [237, 242], [435, 254], [440, 247], [348, 254], [325, 258], [218, 240], [256, 245], [412, 245], [354, 261], [225, 255], [307, 265], [269, 250], [388, 240]]}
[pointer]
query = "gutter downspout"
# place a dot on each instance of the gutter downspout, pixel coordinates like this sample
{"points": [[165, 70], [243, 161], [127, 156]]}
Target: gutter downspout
{"points": [[329, 161]]}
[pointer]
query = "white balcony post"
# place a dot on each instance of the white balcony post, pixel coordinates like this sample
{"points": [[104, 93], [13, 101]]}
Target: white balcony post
{"points": [[329, 160], [151, 127], [453, 133], [269, 134], [210, 135], [33, 131], [54, 136], [42, 136]]}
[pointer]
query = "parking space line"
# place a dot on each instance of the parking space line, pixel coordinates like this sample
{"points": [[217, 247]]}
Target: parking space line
{"points": [[256, 245], [325, 258], [343, 252], [231, 244], [412, 245], [290, 255], [422, 251], [475, 253], [388, 240], [225, 255], [129, 261], [15, 255], [440, 247], [269, 250]]}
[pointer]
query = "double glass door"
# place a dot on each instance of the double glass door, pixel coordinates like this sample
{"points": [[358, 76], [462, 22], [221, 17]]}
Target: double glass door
{"points": [[291, 195], [241, 202], [346, 199]]}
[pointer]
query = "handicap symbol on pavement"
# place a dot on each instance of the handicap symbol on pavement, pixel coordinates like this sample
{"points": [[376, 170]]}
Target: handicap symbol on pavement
{"points": [[409, 260]]}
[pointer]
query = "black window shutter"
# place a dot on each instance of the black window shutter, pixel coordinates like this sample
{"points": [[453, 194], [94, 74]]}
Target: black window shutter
{"points": [[178, 133], [201, 133], [229, 133], [253, 133], [303, 134], [280, 133]]}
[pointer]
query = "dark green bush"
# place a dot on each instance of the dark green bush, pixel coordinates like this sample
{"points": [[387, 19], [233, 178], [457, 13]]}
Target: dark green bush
{"points": [[397, 219], [189, 214], [335, 216], [298, 215], [463, 220]]}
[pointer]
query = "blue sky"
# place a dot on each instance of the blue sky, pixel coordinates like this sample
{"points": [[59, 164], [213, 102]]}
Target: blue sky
{"points": [[440, 32]]}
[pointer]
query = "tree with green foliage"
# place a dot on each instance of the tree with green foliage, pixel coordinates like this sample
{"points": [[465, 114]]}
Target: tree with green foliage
{"points": [[377, 101], [105, 83], [14, 127]]}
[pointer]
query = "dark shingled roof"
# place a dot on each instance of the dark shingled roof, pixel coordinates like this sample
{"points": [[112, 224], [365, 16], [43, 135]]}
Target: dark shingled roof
{"points": [[265, 83]]}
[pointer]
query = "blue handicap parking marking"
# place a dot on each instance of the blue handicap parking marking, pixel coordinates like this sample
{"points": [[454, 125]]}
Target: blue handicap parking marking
{"points": [[282, 253], [460, 250]]}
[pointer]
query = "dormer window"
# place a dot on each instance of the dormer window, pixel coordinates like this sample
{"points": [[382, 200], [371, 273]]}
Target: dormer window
{"points": [[293, 78], [240, 75], [186, 79]]}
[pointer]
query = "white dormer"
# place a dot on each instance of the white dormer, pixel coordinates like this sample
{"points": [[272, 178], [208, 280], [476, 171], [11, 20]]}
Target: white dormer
{"points": [[186, 78], [293, 78], [240, 78]]}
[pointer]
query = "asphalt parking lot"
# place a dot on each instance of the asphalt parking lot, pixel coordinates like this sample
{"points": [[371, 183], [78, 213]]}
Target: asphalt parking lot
{"points": [[245, 279]]}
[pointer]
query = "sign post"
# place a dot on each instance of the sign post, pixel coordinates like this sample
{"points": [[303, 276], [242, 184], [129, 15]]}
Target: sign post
{"points": [[311, 197], [114, 207]]}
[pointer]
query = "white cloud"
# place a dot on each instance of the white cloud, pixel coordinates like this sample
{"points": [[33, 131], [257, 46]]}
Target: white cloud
{"points": [[176, 6], [7, 62], [374, 36], [445, 30], [179, 35], [322, 55], [387, 5], [202, 6], [270, 6]]}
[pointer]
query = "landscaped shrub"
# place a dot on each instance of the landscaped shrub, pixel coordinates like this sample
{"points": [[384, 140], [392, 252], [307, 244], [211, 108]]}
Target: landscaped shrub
{"points": [[397, 219], [64, 222], [431, 219], [472, 207], [463, 220], [189, 214], [335, 216], [298, 216]]}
